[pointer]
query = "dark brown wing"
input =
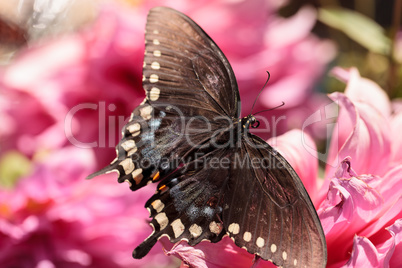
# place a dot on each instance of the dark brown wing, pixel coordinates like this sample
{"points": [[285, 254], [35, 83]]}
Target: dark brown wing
{"points": [[189, 86], [155, 142], [185, 68], [268, 211], [188, 203]]}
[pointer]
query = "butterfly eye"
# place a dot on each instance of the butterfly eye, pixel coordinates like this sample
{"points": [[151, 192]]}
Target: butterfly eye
{"points": [[255, 123]]}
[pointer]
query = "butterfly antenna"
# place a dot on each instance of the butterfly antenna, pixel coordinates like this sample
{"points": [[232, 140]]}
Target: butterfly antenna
{"points": [[269, 75], [280, 105]]}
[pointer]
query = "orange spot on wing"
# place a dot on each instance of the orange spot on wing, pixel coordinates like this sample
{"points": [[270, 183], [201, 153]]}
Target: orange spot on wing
{"points": [[156, 177]]}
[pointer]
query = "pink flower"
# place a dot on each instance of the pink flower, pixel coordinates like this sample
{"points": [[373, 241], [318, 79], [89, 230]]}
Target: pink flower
{"points": [[54, 218], [82, 86], [360, 208], [365, 126], [51, 98], [363, 178], [78, 90]]}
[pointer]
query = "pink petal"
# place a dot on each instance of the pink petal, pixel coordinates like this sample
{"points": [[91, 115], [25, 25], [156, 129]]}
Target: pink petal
{"points": [[396, 106], [390, 188], [364, 90], [351, 204], [213, 255], [396, 130], [300, 151], [303, 20], [283, 81], [366, 254], [396, 231], [361, 134]]}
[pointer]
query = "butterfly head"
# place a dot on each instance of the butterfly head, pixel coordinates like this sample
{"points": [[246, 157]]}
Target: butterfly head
{"points": [[250, 121]]}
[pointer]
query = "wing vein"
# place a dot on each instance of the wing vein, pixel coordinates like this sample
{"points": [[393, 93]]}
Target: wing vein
{"points": [[212, 98]]}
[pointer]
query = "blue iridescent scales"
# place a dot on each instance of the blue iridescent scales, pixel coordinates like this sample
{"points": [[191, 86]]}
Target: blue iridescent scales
{"points": [[189, 120]]}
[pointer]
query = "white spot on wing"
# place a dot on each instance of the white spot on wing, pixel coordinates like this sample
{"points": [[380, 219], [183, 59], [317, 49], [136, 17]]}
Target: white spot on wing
{"points": [[260, 242], [284, 255], [132, 151], [155, 65], [127, 165], [178, 228], [247, 236], [145, 112], [162, 220], [273, 248], [157, 53], [158, 205], [154, 94], [195, 230], [113, 170], [128, 145], [154, 78], [131, 119], [156, 42], [295, 262], [234, 228], [137, 175], [134, 129], [215, 228]]}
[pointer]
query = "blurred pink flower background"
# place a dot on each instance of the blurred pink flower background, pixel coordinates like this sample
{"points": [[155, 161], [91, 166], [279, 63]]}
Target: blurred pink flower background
{"points": [[64, 101]]}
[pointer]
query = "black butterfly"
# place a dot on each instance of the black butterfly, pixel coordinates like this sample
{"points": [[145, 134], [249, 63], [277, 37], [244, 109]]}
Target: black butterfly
{"points": [[215, 178]]}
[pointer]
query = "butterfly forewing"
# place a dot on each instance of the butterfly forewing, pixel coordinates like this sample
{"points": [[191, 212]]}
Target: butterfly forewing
{"points": [[185, 68], [180, 84]]}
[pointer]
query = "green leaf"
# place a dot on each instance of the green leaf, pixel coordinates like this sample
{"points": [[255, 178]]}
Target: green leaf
{"points": [[13, 166], [358, 27]]}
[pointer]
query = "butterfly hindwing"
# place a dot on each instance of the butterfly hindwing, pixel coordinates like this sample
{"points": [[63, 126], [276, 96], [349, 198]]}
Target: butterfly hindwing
{"points": [[259, 204], [188, 204], [269, 212]]}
